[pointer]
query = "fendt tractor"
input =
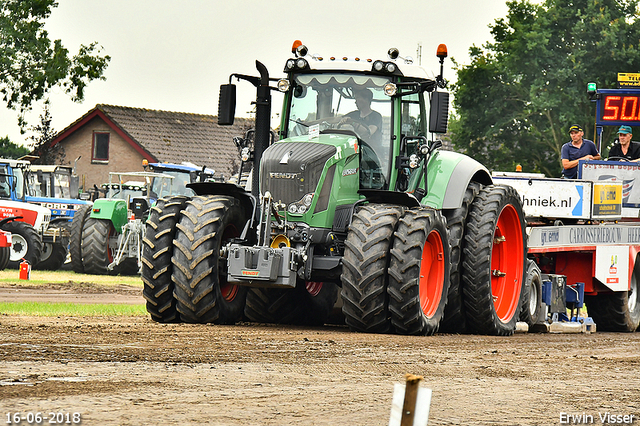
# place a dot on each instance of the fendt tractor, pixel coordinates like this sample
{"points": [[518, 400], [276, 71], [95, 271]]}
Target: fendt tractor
{"points": [[586, 231], [354, 204]]}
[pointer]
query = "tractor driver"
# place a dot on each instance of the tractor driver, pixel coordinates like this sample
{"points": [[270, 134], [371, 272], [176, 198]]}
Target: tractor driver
{"points": [[364, 119], [575, 150], [626, 149]]}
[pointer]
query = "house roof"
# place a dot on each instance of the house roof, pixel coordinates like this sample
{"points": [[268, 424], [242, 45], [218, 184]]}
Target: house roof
{"points": [[165, 136]]}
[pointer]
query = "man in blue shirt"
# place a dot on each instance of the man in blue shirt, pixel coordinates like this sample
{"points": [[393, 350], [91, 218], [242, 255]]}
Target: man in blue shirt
{"points": [[575, 150]]}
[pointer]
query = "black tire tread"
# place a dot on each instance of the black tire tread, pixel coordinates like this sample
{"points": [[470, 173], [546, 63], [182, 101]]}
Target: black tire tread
{"points": [[364, 271], [157, 251], [476, 273], [196, 258], [32, 238], [409, 240]]}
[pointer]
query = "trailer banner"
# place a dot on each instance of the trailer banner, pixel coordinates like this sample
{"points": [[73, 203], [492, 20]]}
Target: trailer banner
{"points": [[583, 235], [617, 171]]}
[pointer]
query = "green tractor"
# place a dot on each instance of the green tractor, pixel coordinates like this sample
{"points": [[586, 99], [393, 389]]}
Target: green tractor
{"points": [[107, 236], [355, 206]]}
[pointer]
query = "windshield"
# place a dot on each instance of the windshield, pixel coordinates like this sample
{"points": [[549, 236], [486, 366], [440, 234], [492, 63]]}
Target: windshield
{"points": [[162, 187], [343, 101]]}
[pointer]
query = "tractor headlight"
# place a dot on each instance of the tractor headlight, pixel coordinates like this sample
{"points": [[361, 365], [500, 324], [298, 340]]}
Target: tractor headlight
{"points": [[291, 63], [390, 89], [301, 207], [245, 154], [378, 66], [283, 85], [301, 63], [413, 161]]}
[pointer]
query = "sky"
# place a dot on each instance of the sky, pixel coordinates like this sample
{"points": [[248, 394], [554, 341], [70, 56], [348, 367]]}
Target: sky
{"points": [[174, 55]]}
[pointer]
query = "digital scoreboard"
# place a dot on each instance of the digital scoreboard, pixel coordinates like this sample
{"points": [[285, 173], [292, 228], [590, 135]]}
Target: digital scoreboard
{"points": [[616, 107]]}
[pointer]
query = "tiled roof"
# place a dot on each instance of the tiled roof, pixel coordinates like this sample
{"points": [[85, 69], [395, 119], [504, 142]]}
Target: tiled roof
{"points": [[176, 136]]}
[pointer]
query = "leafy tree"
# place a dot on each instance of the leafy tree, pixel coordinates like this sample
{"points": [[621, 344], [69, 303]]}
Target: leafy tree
{"points": [[40, 141], [9, 149], [31, 64], [521, 92]]}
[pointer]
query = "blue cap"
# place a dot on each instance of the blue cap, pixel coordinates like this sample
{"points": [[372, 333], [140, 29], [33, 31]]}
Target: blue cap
{"points": [[625, 130]]}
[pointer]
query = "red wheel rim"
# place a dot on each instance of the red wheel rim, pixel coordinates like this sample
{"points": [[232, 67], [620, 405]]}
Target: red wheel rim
{"points": [[432, 270], [228, 291], [507, 260], [313, 287]]}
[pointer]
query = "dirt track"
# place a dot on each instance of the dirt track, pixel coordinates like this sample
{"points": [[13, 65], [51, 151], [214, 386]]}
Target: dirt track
{"points": [[131, 371]]}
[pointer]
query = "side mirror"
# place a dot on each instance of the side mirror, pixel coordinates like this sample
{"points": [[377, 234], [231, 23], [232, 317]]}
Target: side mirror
{"points": [[227, 104], [439, 112]]}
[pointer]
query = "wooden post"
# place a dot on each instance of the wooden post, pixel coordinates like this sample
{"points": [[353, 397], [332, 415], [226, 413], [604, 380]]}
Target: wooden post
{"points": [[410, 395]]}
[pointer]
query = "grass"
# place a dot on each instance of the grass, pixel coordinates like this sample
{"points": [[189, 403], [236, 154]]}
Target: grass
{"points": [[47, 278], [11, 276], [41, 309]]}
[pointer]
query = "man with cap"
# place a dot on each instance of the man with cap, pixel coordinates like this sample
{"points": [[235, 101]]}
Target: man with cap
{"points": [[575, 150], [626, 149]]}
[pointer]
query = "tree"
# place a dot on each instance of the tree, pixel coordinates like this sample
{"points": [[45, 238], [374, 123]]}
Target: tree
{"points": [[41, 139], [521, 92], [9, 149], [31, 64]]}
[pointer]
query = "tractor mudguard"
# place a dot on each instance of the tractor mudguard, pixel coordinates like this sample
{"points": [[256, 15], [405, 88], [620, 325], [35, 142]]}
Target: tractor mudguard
{"points": [[389, 197], [114, 210], [247, 200], [448, 176]]}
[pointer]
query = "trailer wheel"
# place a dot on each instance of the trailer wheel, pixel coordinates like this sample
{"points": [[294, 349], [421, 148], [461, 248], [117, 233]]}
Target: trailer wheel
{"points": [[157, 251], [364, 271], [531, 294], [454, 320], [419, 272], [619, 311], [75, 237], [200, 275], [53, 256], [5, 255], [495, 255], [26, 243], [99, 246]]}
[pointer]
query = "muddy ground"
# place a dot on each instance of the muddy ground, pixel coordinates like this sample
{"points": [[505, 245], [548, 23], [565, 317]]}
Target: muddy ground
{"points": [[132, 371]]}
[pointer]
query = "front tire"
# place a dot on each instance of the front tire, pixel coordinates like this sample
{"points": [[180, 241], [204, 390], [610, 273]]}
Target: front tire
{"points": [[364, 272], [200, 275], [99, 246], [26, 244], [75, 237], [493, 267], [419, 272], [157, 251]]}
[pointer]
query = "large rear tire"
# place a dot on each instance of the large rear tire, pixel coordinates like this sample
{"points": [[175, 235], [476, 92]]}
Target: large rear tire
{"points": [[364, 272], [99, 246], [75, 237], [531, 304], [200, 275], [419, 272], [157, 251], [619, 311], [454, 320], [494, 262], [26, 244]]}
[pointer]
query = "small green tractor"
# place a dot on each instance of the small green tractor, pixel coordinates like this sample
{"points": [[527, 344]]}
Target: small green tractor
{"points": [[355, 206]]}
